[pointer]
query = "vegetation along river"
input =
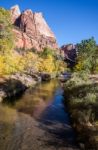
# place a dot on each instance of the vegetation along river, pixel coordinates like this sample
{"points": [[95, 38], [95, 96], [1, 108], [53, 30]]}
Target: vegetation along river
{"points": [[37, 121]]}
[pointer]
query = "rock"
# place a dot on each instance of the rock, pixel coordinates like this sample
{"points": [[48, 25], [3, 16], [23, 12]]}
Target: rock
{"points": [[36, 77], [16, 84], [70, 54], [32, 30], [22, 41], [63, 77], [69, 51], [25, 79], [45, 77], [15, 12], [82, 146], [2, 95], [10, 87], [68, 47]]}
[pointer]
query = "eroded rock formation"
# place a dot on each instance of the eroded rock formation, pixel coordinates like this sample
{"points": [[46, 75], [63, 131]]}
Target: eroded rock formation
{"points": [[32, 30], [15, 12], [70, 54], [69, 51]]}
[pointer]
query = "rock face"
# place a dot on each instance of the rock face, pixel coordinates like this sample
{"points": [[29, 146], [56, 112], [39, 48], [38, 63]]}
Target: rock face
{"points": [[70, 54], [32, 30], [15, 12], [69, 51]]}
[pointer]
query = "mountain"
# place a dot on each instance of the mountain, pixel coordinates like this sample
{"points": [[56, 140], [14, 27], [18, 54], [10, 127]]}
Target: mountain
{"points": [[31, 30]]}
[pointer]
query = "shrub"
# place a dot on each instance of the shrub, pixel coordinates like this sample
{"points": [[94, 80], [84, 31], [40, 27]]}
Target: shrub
{"points": [[77, 79], [81, 94]]}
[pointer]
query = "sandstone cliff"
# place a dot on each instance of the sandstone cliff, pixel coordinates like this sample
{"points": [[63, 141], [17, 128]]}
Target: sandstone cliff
{"points": [[69, 51], [15, 12], [70, 54], [32, 30]]}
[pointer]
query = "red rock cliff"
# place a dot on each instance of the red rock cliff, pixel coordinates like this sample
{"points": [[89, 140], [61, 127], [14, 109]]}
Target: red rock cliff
{"points": [[32, 30]]}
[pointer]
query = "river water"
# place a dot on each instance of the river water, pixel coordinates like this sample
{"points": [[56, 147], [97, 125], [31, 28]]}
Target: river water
{"points": [[37, 121]]}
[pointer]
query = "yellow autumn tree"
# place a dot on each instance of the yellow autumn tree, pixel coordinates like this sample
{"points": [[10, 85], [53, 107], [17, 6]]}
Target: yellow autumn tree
{"points": [[46, 64], [49, 62], [6, 41]]}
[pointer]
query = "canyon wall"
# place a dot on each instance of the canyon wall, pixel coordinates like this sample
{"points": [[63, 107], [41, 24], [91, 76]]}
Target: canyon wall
{"points": [[31, 30]]}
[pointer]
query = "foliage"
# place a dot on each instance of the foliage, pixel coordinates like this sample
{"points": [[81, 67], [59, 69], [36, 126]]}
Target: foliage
{"points": [[77, 79], [30, 61], [50, 64], [6, 42], [87, 55], [82, 97], [46, 53], [6, 35]]}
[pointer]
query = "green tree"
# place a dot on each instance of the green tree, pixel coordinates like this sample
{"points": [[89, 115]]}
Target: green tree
{"points": [[87, 54], [47, 52], [6, 34]]}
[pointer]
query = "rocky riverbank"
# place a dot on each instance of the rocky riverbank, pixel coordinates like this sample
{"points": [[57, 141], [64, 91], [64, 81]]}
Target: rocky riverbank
{"points": [[19, 82]]}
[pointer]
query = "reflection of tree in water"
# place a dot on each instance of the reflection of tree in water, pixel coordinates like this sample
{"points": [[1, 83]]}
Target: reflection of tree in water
{"points": [[41, 124], [36, 98], [7, 125]]}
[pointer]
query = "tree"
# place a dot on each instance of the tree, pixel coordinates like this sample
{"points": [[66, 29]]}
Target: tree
{"points": [[6, 34], [6, 42], [87, 55]]}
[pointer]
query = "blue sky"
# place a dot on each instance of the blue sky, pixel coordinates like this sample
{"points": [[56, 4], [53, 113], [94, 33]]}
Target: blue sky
{"points": [[70, 20]]}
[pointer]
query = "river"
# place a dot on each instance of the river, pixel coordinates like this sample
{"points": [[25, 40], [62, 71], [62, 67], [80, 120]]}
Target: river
{"points": [[37, 120]]}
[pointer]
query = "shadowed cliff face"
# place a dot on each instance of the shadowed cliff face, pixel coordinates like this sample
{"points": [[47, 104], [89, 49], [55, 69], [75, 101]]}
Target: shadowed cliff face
{"points": [[70, 54], [33, 31]]}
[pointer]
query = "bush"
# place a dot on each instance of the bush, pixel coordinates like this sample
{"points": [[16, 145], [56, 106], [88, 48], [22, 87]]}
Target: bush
{"points": [[77, 79], [81, 95]]}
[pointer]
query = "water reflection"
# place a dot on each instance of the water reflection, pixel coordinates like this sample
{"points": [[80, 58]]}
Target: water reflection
{"points": [[34, 101], [36, 121]]}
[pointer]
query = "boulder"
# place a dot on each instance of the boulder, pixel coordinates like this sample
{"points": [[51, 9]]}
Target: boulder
{"points": [[16, 84], [45, 77], [25, 79], [11, 87]]}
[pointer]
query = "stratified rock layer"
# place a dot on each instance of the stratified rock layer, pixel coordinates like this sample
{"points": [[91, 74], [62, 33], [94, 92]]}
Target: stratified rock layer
{"points": [[32, 30], [69, 52]]}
